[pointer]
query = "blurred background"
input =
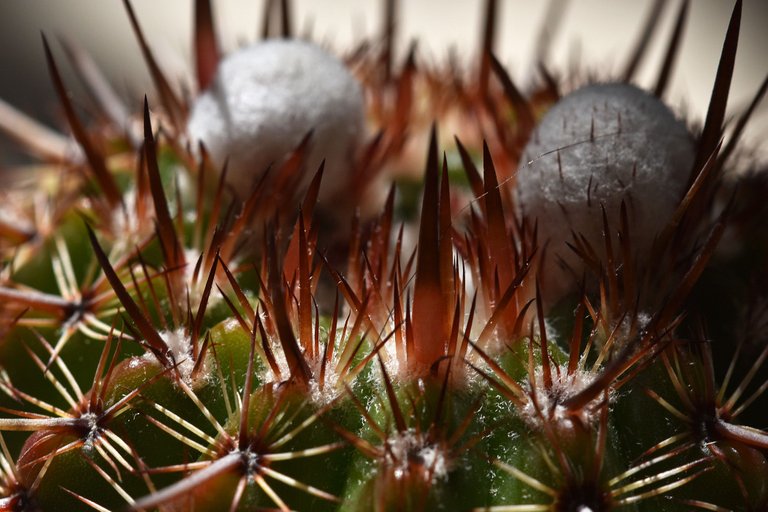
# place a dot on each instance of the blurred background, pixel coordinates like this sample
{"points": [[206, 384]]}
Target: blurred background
{"points": [[594, 35]]}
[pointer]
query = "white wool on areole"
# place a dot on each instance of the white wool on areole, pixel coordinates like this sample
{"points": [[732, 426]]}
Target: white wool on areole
{"points": [[179, 350], [599, 146], [403, 448], [266, 98]]}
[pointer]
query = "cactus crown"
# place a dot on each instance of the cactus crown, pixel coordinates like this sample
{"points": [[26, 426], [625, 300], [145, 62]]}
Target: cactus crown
{"points": [[222, 310]]}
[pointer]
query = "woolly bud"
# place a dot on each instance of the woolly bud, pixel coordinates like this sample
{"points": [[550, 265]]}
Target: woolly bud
{"points": [[266, 98], [599, 146]]}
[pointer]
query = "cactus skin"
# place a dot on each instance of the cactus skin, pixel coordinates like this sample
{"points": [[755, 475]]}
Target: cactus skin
{"points": [[163, 350]]}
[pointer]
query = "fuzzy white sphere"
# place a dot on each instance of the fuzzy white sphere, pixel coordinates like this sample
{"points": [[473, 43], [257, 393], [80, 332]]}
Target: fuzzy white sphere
{"points": [[615, 143], [262, 102]]}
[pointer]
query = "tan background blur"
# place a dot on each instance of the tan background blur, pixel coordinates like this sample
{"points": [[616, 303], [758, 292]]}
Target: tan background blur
{"points": [[599, 33]]}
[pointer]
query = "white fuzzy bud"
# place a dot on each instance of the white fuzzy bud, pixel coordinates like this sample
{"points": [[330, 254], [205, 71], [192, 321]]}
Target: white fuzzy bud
{"points": [[599, 146], [266, 98]]}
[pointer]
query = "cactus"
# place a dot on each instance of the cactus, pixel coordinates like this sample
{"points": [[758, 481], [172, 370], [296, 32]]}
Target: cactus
{"points": [[223, 310]]}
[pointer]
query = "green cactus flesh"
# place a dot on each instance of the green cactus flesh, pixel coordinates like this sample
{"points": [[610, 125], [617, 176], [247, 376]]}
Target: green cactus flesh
{"points": [[170, 343]]}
